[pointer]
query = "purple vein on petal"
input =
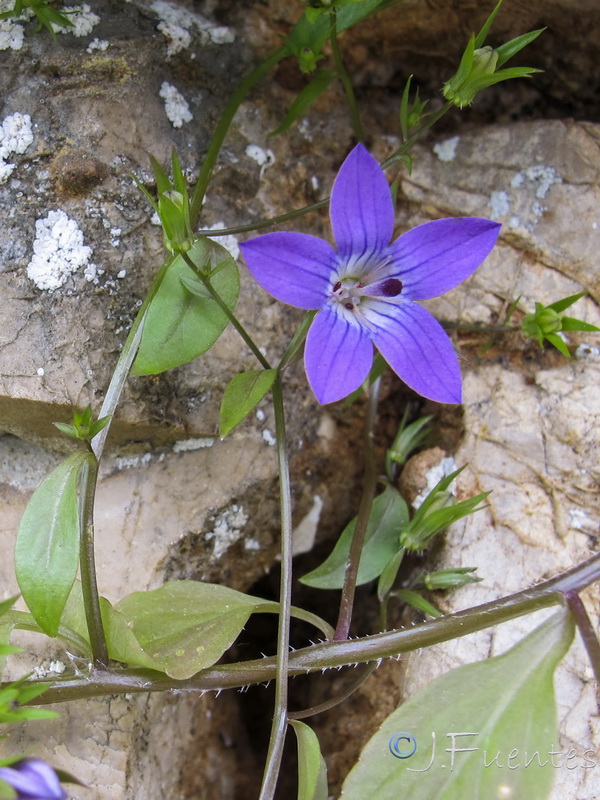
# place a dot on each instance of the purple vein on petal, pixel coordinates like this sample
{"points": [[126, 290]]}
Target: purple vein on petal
{"points": [[417, 348], [293, 267], [435, 257], [361, 208], [338, 356]]}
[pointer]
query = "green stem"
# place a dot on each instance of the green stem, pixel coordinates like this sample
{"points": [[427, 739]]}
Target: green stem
{"points": [[226, 310], [220, 133], [339, 698], [334, 654], [87, 563], [406, 146], [362, 519], [299, 212], [124, 362], [295, 345], [460, 326], [279, 725], [266, 223], [586, 629], [344, 77]]}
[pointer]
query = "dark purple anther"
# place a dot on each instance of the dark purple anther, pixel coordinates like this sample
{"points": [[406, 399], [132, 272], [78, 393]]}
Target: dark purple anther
{"points": [[391, 287]]}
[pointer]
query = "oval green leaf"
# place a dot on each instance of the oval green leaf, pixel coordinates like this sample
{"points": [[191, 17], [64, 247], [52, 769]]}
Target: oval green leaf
{"points": [[389, 514], [181, 325], [312, 770], [242, 394], [186, 626], [47, 547], [481, 731]]}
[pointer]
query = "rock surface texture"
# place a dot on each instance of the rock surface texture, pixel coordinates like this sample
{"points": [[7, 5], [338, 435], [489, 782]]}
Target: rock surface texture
{"points": [[78, 249]]}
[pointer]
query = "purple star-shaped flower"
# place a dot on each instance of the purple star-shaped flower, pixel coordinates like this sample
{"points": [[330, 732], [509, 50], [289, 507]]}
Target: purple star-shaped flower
{"points": [[366, 289], [33, 779]]}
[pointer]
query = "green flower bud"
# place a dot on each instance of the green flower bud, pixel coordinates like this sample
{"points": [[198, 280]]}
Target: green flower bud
{"points": [[307, 60], [449, 578], [475, 67], [543, 321]]}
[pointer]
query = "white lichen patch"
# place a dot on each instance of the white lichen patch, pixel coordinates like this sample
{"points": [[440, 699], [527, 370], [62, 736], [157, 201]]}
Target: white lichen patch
{"points": [[176, 24], [264, 158], [97, 44], [82, 18], [58, 251], [500, 204], [15, 137], [11, 35], [187, 445], [446, 150], [178, 38], [229, 242], [433, 476], [521, 206], [49, 668], [269, 438], [227, 529], [587, 351], [176, 106]]}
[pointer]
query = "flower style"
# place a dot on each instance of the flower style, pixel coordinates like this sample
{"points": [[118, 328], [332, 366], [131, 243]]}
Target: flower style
{"points": [[33, 779], [366, 289]]}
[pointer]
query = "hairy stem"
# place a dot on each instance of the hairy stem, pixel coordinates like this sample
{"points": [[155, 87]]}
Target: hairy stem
{"points": [[87, 563], [124, 362], [588, 634], [220, 133], [362, 519], [279, 725], [334, 654]]}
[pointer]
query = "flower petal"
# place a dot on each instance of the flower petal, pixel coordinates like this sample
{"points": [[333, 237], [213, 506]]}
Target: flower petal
{"points": [[361, 208], [338, 356], [293, 267], [435, 257], [417, 348], [33, 778]]}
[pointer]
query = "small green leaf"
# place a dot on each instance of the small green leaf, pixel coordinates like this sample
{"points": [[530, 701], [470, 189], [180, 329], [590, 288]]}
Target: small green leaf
{"points": [[312, 770], [559, 343], [510, 49], [311, 92], [562, 305], [186, 626], [572, 324], [388, 515], [242, 395], [7, 604], [415, 600], [388, 574], [47, 548], [179, 325], [481, 731]]}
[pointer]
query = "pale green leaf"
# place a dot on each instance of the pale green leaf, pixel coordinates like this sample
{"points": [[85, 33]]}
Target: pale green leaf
{"points": [[180, 325], [388, 515], [242, 395], [312, 771], [481, 731], [47, 548], [186, 626]]}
